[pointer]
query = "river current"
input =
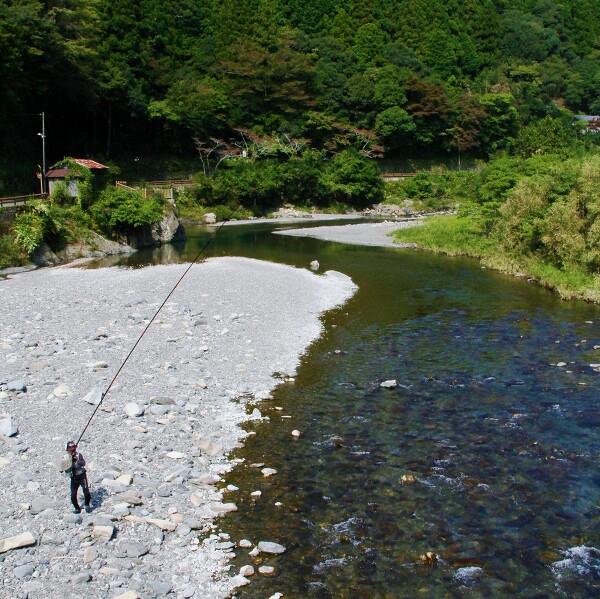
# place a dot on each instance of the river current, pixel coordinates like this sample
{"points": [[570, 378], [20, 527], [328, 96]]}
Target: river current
{"points": [[476, 475]]}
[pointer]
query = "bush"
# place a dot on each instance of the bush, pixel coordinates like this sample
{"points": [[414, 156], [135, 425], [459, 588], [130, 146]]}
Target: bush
{"points": [[11, 254], [120, 209], [60, 194], [28, 231], [255, 185], [303, 180], [556, 216], [306, 180], [38, 222]]}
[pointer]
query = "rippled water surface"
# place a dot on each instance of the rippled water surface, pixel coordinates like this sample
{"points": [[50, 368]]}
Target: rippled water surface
{"points": [[484, 455]]}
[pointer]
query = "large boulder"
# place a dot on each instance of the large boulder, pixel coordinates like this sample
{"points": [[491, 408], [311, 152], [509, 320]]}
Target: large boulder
{"points": [[93, 246], [44, 256], [169, 229]]}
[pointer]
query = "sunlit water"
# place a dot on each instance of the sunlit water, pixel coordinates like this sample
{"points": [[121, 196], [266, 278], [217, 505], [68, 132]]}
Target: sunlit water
{"points": [[485, 454]]}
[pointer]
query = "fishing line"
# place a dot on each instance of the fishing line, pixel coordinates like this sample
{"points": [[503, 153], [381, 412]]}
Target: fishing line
{"points": [[153, 318]]}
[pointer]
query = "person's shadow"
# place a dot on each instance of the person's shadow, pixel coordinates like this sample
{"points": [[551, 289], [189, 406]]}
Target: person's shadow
{"points": [[98, 495]]}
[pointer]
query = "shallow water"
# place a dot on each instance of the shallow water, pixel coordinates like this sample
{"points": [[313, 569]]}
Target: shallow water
{"points": [[498, 445]]}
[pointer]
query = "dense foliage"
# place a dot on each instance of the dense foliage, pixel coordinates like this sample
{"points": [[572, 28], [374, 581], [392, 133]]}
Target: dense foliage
{"points": [[348, 181], [118, 210], [533, 211], [425, 76]]}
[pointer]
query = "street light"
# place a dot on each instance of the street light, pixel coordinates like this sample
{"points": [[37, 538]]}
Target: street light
{"points": [[43, 136]]}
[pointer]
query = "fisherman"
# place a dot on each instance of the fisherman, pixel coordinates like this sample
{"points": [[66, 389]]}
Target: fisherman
{"points": [[78, 478]]}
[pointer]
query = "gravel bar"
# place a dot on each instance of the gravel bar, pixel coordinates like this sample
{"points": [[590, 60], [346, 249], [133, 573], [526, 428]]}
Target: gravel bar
{"points": [[158, 446], [376, 234]]}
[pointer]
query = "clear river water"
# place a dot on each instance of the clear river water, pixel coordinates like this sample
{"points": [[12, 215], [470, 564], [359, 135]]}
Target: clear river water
{"points": [[485, 455]]}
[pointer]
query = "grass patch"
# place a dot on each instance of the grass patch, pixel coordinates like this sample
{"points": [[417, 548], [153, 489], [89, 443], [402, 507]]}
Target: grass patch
{"points": [[195, 212], [463, 235], [450, 234], [571, 284]]}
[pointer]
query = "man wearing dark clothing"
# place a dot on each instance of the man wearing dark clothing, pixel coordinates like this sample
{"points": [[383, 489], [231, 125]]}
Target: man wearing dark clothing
{"points": [[78, 478]]}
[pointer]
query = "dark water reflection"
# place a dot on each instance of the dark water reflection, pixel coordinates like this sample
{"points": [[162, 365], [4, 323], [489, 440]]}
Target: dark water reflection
{"points": [[501, 443]]}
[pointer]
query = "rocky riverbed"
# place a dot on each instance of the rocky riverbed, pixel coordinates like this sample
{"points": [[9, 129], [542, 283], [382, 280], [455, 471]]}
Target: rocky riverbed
{"points": [[157, 448]]}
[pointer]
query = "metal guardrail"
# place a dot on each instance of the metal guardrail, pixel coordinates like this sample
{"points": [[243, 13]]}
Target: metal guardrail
{"points": [[154, 184], [12, 201], [397, 175]]}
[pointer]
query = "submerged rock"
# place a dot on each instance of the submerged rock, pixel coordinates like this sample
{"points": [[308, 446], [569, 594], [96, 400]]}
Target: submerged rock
{"points": [[391, 384]]}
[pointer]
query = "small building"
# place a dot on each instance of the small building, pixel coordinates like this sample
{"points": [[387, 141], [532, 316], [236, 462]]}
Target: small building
{"points": [[590, 123], [60, 174]]}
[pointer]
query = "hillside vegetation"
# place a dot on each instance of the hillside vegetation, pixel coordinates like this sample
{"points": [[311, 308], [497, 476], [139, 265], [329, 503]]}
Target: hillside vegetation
{"points": [[120, 79]]}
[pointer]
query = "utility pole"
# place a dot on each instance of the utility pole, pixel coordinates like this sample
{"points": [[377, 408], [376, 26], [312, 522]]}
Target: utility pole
{"points": [[43, 136]]}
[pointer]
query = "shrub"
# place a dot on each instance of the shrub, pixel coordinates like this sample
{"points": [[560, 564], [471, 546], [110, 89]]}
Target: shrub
{"points": [[36, 223], [303, 180], [11, 254], [121, 209], [28, 231]]}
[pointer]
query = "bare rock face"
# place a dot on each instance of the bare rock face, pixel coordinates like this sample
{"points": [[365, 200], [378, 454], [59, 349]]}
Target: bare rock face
{"points": [[93, 246], [168, 229]]}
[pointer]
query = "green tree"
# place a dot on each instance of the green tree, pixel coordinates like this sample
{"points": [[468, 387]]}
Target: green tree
{"points": [[268, 82], [333, 67], [395, 126], [546, 136], [353, 179], [501, 121], [369, 45], [201, 106], [390, 86], [441, 55], [526, 37]]}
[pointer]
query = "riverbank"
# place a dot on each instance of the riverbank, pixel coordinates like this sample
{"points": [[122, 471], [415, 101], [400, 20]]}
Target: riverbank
{"points": [[454, 236], [158, 446], [463, 236]]}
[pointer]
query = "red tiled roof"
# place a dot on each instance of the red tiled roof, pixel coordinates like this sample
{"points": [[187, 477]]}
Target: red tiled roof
{"points": [[89, 163]]}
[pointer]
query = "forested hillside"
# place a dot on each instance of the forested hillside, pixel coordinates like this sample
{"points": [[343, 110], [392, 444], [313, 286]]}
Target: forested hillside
{"points": [[404, 77]]}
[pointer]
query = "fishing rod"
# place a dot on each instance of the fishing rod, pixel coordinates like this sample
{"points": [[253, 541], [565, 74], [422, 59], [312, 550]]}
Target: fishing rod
{"points": [[202, 250]]}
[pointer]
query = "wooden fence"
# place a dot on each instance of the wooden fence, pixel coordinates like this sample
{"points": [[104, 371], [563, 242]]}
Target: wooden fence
{"points": [[165, 188]]}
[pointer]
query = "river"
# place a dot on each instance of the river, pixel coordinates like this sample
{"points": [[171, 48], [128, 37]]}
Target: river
{"points": [[484, 456]]}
